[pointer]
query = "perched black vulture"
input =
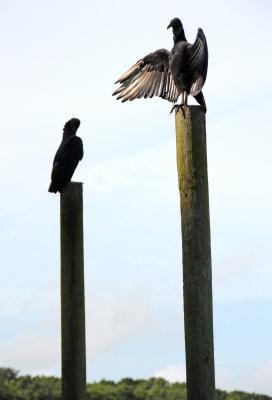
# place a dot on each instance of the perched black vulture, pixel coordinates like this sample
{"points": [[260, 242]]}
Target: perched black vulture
{"points": [[167, 74], [69, 153]]}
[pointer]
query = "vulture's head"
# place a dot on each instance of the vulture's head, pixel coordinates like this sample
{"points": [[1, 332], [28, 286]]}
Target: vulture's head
{"points": [[177, 26], [72, 125]]}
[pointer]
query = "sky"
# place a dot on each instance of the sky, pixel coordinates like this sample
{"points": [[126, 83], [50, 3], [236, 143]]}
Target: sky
{"points": [[60, 59]]}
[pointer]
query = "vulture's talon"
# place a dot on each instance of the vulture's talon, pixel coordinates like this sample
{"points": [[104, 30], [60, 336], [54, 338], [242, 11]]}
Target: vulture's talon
{"points": [[172, 109], [178, 107]]}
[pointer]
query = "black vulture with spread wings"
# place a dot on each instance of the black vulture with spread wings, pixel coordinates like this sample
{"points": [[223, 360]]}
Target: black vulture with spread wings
{"points": [[67, 157], [167, 74]]}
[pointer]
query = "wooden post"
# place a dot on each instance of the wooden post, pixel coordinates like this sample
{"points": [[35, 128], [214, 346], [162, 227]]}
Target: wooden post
{"points": [[72, 294], [196, 251]]}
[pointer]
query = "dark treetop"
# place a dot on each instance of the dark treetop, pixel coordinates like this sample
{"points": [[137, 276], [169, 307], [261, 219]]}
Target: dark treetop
{"points": [[167, 74], [69, 153]]}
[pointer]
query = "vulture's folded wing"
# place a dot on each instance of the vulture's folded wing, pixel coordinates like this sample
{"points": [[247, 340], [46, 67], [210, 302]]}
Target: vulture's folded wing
{"points": [[78, 147], [149, 77], [198, 62]]}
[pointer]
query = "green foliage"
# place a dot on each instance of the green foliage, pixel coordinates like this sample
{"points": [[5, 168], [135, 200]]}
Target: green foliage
{"points": [[246, 396], [15, 387], [8, 373]]}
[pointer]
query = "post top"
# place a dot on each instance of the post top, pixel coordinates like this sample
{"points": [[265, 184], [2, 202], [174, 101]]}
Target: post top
{"points": [[72, 189], [193, 113], [74, 183]]}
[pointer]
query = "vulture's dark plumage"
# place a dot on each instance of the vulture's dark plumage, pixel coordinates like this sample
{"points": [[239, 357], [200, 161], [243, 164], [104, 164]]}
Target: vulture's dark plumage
{"points": [[167, 74], [69, 153]]}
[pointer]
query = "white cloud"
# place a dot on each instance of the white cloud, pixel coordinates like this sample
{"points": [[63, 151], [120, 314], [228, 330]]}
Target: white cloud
{"points": [[113, 317], [240, 274], [257, 379], [31, 351], [116, 317], [172, 373]]}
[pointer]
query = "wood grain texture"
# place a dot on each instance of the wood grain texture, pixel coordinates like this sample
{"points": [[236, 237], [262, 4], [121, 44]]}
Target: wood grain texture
{"points": [[72, 294], [196, 250]]}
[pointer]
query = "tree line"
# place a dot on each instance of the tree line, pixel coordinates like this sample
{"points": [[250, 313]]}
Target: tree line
{"points": [[16, 387]]}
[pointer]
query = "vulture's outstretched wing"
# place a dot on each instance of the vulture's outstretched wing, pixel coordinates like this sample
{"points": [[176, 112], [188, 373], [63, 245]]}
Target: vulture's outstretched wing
{"points": [[149, 77], [198, 62]]}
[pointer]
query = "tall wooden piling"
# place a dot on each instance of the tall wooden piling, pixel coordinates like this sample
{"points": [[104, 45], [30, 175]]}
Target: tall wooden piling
{"points": [[72, 294], [196, 252]]}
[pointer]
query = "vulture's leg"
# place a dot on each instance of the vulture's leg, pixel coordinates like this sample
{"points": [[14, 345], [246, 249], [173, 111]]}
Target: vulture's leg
{"points": [[182, 103], [185, 99]]}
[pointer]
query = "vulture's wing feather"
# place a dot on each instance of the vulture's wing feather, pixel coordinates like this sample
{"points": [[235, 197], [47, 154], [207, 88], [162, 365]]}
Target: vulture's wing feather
{"points": [[197, 62], [149, 77]]}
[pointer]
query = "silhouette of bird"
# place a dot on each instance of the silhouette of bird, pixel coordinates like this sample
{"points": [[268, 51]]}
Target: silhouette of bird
{"points": [[167, 74], [67, 157]]}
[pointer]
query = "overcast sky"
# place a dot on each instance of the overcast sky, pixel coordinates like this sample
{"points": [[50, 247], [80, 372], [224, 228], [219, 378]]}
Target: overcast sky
{"points": [[60, 59]]}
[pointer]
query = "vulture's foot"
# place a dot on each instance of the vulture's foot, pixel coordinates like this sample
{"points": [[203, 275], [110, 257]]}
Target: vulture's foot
{"points": [[178, 107]]}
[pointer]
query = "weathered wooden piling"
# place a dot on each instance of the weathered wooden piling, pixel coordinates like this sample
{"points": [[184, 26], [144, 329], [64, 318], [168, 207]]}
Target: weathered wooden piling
{"points": [[72, 293], [196, 252]]}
